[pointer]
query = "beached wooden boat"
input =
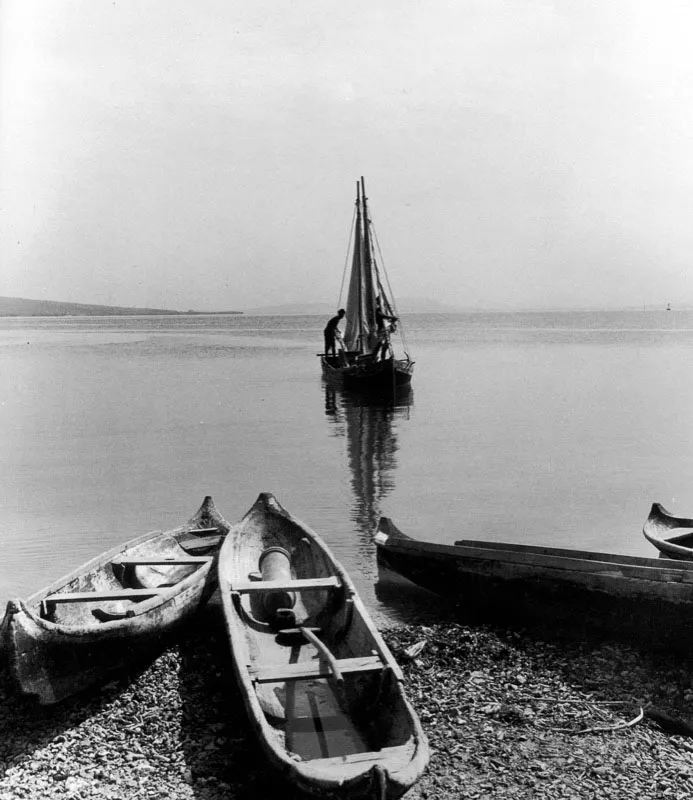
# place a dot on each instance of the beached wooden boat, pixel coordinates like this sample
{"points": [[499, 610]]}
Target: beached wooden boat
{"points": [[672, 536], [366, 361], [321, 688], [633, 596], [113, 610]]}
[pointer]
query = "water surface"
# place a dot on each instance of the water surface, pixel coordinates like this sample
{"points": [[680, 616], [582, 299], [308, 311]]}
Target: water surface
{"points": [[539, 428]]}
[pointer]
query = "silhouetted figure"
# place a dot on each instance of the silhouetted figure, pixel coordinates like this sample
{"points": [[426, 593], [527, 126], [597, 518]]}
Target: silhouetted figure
{"points": [[330, 332], [382, 331]]}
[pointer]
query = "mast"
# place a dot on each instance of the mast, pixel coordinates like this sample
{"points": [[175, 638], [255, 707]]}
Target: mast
{"points": [[368, 300]]}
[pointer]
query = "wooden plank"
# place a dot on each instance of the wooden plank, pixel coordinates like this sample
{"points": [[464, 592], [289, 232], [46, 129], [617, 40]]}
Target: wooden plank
{"points": [[192, 545], [197, 531], [161, 561], [316, 724], [191, 542], [293, 585], [314, 669], [567, 552], [375, 756], [328, 724], [97, 596]]}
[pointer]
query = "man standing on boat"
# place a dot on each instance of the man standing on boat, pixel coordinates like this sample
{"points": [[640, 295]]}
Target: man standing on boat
{"points": [[331, 331], [382, 330]]}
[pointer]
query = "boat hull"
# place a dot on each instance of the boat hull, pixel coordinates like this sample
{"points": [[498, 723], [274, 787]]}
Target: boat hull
{"points": [[357, 737], [380, 376], [621, 596], [672, 536], [55, 651]]}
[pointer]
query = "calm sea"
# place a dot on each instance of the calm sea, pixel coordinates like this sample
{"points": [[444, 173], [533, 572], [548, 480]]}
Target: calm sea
{"points": [[555, 428]]}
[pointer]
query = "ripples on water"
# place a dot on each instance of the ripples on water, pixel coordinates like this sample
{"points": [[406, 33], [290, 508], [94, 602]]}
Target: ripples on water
{"points": [[542, 428]]}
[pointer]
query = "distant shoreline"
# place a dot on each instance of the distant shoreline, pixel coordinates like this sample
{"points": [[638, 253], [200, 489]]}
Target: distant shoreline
{"points": [[127, 314], [23, 307]]}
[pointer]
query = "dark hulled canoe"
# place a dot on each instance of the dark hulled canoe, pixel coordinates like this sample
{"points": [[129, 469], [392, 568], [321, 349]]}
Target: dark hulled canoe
{"points": [[321, 688], [629, 596], [658, 530], [112, 610]]}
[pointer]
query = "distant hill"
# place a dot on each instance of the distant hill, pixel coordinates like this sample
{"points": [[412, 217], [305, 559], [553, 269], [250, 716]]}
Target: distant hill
{"points": [[21, 307], [407, 305]]}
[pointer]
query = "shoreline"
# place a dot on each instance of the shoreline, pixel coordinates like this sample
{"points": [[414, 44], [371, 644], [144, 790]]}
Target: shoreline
{"points": [[508, 712]]}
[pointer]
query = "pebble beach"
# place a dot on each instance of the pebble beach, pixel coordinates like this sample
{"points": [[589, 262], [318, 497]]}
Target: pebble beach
{"points": [[509, 713]]}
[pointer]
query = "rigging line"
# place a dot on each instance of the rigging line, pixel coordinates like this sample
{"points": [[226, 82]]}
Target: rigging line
{"points": [[400, 328], [346, 259]]}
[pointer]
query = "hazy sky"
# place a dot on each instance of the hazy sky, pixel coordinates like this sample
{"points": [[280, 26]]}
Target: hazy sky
{"points": [[204, 155]]}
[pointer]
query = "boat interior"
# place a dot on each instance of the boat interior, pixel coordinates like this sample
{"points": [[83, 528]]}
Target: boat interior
{"points": [[350, 358], [131, 582], [327, 687]]}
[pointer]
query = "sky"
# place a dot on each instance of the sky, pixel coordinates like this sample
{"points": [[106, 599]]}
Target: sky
{"points": [[517, 153]]}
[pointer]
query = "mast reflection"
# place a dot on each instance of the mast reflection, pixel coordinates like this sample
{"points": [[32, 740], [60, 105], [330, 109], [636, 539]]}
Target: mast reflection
{"points": [[369, 425]]}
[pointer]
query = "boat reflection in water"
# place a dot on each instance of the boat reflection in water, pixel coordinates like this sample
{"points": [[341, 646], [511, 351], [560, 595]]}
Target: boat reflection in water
{"points": [[370, 425]]}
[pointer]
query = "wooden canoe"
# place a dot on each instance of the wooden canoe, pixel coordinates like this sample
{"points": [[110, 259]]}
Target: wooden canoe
{"points": [[629, 596], [113, 610], [322, 691], [658, 530]]}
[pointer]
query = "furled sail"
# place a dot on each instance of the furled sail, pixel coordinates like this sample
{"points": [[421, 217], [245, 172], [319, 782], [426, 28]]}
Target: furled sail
{"points": [[352, 333], [360, 334], [369, 293]]}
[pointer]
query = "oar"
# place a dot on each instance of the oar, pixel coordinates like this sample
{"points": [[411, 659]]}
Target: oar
{"points": [[325, 651], [321, 647]]}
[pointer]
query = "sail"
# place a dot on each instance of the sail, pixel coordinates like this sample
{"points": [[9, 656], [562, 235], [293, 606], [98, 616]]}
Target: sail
{"points": [[360, 333], [369, 293], [352, 334]]}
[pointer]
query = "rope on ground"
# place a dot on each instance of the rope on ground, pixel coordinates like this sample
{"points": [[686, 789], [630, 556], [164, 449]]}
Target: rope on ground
{"points": [[604, 728], [585, 700]]}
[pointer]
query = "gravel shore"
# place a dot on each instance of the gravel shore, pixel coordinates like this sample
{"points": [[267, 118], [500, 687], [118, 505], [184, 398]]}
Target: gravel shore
{"points": [[509, 714]]}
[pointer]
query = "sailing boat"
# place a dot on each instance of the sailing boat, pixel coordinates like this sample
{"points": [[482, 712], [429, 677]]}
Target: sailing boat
{"points": [[366, 361]]}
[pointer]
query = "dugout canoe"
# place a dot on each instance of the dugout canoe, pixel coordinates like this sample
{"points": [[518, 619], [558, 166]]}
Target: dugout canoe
{"points": [[632, 597], [113, 610], [323, 692], [672, 536]]}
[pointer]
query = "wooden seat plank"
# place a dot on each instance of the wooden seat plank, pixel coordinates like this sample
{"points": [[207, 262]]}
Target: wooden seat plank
{"points": [[97, 595], [163, 561], [198, 531], [192, 542], [314, 669], [243, 587]]}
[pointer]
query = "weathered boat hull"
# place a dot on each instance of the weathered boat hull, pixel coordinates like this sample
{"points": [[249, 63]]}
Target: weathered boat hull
{"points": [[622, 596], [379, 376], [55, 650], [658, 530], [354, 737]]}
